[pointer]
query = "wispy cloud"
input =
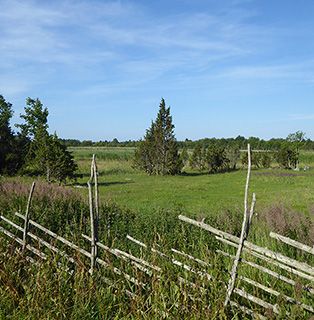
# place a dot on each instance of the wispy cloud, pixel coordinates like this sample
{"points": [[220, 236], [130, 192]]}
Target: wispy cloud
{"points": [[297, 70], [300, 117], [87, 34], [75, 51]]}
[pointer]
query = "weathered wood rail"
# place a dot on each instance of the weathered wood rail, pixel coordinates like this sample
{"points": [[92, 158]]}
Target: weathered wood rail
{"points": [[296, 273]]}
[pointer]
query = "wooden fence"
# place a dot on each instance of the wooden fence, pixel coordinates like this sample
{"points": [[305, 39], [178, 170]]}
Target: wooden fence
{"points": [[268, 260]]}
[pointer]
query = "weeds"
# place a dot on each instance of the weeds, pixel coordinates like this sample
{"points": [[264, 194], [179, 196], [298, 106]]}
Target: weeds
{"points": [[47, 290]]}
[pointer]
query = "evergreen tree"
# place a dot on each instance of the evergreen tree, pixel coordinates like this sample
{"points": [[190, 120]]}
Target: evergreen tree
{"points": [[216, 159], [60, 161], [233, 155], [198, 160], [158, 152], [6, 135], [184, 156]]}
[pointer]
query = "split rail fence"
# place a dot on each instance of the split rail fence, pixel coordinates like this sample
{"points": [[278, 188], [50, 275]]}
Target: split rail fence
{"points": [[299, 273]]}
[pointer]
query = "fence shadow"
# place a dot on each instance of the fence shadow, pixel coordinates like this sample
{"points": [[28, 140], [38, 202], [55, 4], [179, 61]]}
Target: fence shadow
{"points": [[205, 173], [105, 184]]}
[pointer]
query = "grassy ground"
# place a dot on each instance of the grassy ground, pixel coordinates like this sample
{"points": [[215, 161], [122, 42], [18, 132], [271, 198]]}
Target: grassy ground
{"points": [[194, 192], [147, 208]]}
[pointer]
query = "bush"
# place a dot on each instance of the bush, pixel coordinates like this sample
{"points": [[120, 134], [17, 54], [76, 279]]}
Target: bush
{"points": [[258, 159], [287, 157], [216, 159]]}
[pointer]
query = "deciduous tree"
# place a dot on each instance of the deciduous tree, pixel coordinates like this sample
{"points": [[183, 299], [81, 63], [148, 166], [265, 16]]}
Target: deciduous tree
{"points": [[46, 153]]}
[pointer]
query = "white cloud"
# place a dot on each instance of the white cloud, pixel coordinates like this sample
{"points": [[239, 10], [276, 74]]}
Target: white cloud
{"points": [[125, 44]]}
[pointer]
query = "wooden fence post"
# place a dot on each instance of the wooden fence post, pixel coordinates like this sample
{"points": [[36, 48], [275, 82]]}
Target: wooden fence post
{"points": [[96, 198], [244, 232], [93, 213], [96, 187], [27, 214]]}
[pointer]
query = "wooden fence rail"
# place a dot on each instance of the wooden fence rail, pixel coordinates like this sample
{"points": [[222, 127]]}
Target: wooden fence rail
{"points": [[292, 243], [290, 266]]}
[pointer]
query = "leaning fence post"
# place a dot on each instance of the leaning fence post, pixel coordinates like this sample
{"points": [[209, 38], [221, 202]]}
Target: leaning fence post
{"points": [[96, 198], [26, 221], [93, 212], [244, 232], [92, 227]]}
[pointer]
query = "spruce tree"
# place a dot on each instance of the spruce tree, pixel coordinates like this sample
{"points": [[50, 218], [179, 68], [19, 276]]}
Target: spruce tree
{"points": [[158, 153]]}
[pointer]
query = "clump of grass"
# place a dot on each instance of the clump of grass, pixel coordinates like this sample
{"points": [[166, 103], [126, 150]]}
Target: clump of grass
{"points": [[288, 222], [29, 291]]}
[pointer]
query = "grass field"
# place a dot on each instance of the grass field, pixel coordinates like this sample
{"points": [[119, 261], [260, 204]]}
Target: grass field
{"points": [[194, 192], [147, 207]]}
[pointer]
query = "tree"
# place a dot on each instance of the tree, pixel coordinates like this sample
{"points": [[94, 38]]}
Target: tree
{"points": [[184, 156], [6, 135], [233, 156], [297, 139], [266, 159], [287, 157], [46, 154], [158, 152], [216, 159], [60, 161], [198, 158], [35, 117]]}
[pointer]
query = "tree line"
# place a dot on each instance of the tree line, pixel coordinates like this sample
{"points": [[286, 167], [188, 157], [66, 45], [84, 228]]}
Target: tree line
{"points": [[239, 142], [32, 150], [158, 153]]}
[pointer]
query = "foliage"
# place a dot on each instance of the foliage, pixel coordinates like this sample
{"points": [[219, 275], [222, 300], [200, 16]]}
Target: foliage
{"points": [[198, 158], [233, 156], [184, 156], [216, 159], [266, 159], [238, 142], [6, 134], [290, 152], [258, 159], [35, 117], [296, 137], [158, 153], [33, 150], [49, 156], [288, 157], [13, 147]]}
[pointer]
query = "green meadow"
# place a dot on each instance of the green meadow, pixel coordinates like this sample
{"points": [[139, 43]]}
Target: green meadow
{"points": [[194, 192], [147, 208]]}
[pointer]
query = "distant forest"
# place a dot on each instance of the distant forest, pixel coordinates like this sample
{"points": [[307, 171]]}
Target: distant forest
{"points": [[238, 142]]}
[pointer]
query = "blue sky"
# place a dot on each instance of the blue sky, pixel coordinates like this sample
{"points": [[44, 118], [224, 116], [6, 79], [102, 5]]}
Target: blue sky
{"points": [[225, 67]]}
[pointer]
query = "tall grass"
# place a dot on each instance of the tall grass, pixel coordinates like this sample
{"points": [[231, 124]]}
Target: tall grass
{"points": [[103, 153], [47, 290]]}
